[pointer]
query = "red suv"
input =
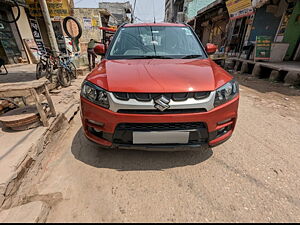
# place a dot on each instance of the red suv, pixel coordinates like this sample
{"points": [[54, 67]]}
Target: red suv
{"points": [[156, 89]]}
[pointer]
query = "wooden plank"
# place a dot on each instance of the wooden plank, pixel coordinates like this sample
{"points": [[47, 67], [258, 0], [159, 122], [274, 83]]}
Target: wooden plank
{"points": [[23, 85], [48, 97], [14, 93], [40, 108]]}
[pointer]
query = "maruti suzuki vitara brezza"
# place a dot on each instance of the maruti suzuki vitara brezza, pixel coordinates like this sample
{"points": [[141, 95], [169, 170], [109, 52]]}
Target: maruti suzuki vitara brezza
{"points": [[157, 89]]}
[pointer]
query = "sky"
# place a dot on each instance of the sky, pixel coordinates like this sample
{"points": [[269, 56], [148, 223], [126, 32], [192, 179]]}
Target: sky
{"points": [[143, 9]]}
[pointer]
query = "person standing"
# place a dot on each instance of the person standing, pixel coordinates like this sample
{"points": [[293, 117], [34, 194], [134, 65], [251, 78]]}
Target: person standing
{"points": [[91, 53]]}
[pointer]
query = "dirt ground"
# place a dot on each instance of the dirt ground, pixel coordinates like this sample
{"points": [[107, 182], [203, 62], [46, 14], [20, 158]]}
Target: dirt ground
{"points": [[253, 177]]}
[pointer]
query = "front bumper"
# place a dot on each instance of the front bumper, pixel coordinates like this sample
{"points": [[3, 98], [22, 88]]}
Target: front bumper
{"points": [[102, 126]]}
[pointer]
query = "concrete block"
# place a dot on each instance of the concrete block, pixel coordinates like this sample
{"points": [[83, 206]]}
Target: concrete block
{"points": [[256, 70], [274, 76], [244, 68], [32, 212], [292, 78]]}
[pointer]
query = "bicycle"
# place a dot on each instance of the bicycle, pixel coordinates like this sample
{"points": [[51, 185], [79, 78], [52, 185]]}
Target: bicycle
{"points": [[66, 70], [45, 65], [71, 67]]}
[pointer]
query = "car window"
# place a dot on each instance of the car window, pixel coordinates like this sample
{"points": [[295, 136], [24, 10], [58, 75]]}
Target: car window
{"points": [[168, 41]]}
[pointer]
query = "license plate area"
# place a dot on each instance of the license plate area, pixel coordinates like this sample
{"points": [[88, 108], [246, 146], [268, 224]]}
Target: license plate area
{"points": [[160, 137]]}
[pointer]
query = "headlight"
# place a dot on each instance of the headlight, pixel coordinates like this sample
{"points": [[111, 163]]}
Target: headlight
{"points": [[94, 94], [227, 92]]}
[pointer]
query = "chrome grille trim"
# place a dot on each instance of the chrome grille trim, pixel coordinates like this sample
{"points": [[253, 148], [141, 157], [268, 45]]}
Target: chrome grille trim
{"points": [[191, 103], [146, 97]]}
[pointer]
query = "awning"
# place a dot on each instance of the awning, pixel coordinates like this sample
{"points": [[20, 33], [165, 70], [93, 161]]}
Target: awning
{"points": [[108, 29], [211, 5]]}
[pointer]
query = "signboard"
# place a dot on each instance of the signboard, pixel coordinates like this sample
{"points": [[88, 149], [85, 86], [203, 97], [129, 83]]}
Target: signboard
{"points": [[57, 8], [263, 47], [87, 23], [239, 8], [30, 43], [95, 22], [37, 35]]}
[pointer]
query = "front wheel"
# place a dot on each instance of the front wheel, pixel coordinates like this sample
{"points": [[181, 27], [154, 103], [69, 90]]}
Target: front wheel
{"points": [[63, 77], [39, 70], [49, 70], [73, 70]]}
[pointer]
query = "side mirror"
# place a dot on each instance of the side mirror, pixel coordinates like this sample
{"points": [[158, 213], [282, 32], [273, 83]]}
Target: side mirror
{"points": [[210, 48], [100, 49]]}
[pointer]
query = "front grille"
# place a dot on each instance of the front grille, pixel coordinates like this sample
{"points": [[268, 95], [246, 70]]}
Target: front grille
{"points": [[155, 111], [124, 132], [159, 126], [146, 97]]}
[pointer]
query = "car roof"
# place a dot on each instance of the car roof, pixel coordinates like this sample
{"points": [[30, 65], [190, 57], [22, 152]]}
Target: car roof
{"points": [[155, 24]]}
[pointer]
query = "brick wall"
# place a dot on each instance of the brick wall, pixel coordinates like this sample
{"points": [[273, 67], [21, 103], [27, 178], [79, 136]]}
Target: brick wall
{"points": [[92, 32]]}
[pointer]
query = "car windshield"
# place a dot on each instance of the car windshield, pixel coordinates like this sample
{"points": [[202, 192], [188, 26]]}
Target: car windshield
{"points": [[141, 42]]}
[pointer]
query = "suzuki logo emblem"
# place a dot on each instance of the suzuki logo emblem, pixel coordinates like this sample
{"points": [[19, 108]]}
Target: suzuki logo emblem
{"points": [[162, 103]]}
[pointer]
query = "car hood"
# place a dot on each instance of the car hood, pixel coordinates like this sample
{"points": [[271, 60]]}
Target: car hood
{"points": [[158, 75]]}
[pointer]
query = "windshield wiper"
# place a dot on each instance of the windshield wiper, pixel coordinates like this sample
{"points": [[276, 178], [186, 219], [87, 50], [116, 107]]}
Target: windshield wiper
{"points": [[151, 57], [191, 56]]}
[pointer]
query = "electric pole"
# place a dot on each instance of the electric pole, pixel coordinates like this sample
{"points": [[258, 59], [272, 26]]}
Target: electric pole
{"points": [[48, 23]]}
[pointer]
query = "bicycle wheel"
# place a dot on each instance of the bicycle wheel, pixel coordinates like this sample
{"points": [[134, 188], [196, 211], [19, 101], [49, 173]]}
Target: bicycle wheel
{"points": [[39, 70], [49, 70], [63, 77], [73, 69]]}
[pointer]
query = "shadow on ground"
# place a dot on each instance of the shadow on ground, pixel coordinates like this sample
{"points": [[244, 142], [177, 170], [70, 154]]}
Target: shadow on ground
{"points": [[131, 160], [264, 85]]}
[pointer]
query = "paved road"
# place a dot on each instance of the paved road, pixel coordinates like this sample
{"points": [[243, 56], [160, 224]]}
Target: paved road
{"points": [[252, 177]]}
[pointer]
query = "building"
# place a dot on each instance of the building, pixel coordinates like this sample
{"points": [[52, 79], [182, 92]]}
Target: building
{"points": [[235, 25], [58, 10], [174, 11], [211, 21], [168, 11], [277, 20], [90, 20], [119, 12], [14, 35], [191, 7]]}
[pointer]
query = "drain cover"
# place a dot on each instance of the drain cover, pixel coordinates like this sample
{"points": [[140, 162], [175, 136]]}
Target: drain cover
{"points": [[21, 118]]}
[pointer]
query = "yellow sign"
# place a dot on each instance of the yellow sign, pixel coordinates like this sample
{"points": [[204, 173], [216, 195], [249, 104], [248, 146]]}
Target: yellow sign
{"points": [[239, 8], [95, 22], [57, 8]]}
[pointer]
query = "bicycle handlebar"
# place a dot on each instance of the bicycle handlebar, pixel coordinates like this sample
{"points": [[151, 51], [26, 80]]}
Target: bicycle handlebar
{"points": [[49, 52]]}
